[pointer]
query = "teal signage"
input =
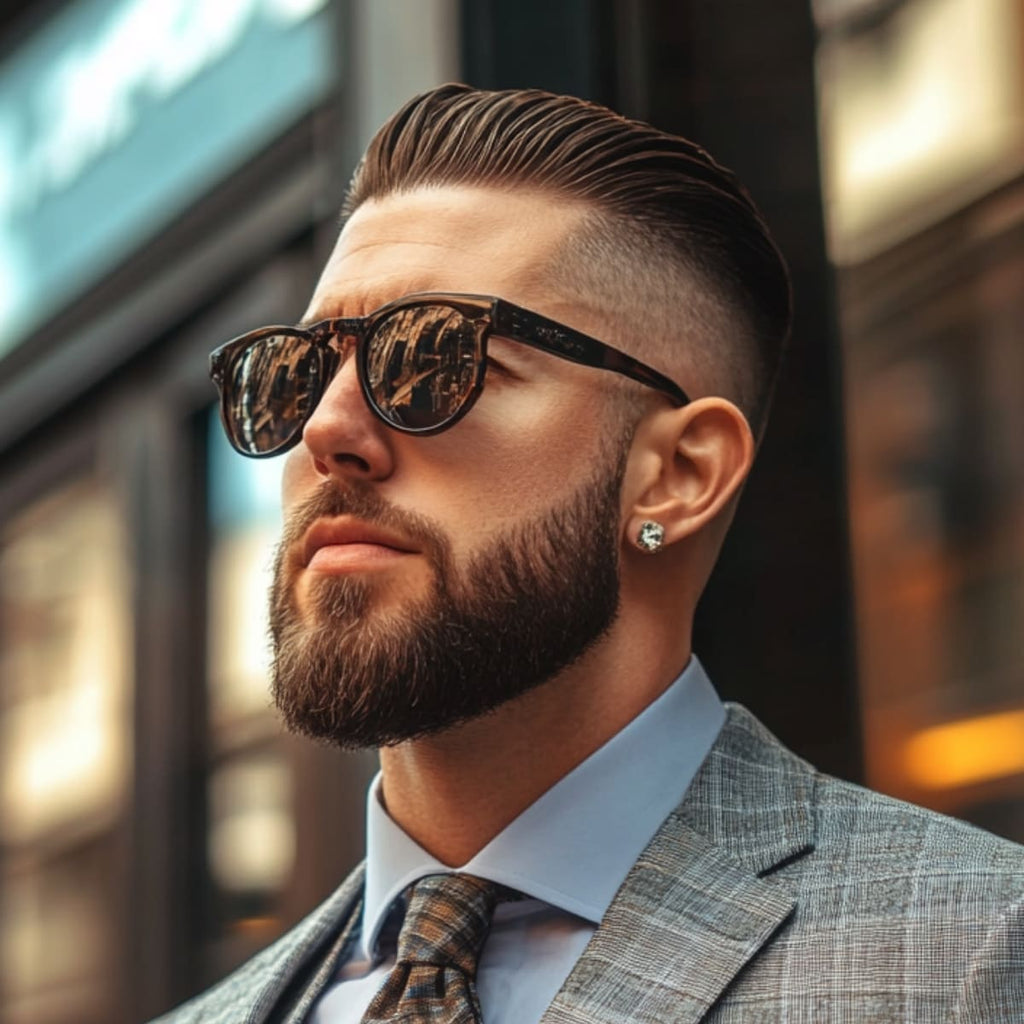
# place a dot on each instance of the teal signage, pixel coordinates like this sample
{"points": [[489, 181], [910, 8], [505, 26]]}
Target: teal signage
{"points": [[119, 113]]}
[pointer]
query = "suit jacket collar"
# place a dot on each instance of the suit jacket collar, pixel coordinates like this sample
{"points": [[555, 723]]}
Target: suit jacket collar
{"points": [[700, 902]]}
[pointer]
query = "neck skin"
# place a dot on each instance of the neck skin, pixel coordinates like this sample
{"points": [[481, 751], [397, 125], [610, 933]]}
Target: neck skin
{"points": [[455, 791]]}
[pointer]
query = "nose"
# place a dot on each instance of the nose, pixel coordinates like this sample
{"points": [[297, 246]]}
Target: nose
{"points": [[343, 437]]}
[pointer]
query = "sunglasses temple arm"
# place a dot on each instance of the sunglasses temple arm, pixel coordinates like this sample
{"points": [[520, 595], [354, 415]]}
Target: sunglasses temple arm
{"points": [[539, 331], [619, 362]]}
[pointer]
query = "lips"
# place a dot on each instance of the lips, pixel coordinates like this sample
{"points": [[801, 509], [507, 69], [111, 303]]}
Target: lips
{"points": [[345, 532]]}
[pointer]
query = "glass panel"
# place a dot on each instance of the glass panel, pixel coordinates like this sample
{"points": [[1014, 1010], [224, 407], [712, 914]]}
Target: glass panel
{"points": [[251, 834], [245, 523], [936, 437], [922, 118], [65, 755], [921, 111], [58, 940]]}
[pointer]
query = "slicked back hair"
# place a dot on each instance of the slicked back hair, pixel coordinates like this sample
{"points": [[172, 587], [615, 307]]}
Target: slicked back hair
{"points": [[695, 259]]}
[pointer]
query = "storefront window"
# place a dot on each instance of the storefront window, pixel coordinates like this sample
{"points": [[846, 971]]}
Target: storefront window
{"points": [[923, 137], [251, 834], [65, 756], [921, 112]]}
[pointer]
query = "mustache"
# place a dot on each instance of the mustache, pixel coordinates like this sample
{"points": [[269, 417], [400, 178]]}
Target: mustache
{"points": [[363, 503]]}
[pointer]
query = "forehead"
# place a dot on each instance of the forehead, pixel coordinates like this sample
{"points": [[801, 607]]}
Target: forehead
{"points": [[457, 239]]}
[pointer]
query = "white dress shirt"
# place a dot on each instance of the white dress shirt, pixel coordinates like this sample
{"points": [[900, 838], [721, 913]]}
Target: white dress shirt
{"points": [[568, 852]]}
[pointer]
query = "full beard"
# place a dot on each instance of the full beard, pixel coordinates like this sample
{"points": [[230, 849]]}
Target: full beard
{"points": [[524, 609]]}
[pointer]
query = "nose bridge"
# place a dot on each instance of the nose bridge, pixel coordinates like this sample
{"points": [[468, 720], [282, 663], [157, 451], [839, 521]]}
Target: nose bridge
{"points": [[342, 434], [337, 341], [342, 338]]}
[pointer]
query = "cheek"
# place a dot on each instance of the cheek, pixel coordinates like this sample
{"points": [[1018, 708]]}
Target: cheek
{"points": [[298, 477], [509, 466], [539, 474]]}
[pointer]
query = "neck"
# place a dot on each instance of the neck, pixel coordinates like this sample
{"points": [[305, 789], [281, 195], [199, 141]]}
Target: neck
{"points": [[455, 791]]}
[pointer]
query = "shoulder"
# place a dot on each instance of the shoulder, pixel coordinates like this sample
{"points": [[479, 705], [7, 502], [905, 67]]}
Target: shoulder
{"points": [[928, 885], [883, 837], [862, 837], [853, 829], [898, 910]]}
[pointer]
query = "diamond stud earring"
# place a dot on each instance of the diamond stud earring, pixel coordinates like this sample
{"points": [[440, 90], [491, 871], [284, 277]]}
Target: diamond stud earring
{"points": [[650, 537]]}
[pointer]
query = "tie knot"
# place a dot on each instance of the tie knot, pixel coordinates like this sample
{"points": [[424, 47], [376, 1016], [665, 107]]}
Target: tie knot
{"points": [[447, 921]]}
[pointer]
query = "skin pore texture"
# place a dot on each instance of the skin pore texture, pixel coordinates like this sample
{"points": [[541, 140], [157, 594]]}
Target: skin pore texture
{"points": [[538, 436]]}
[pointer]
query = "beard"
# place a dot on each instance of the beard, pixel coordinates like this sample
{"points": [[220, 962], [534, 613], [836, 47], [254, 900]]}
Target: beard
{"points": [[526, 607]]}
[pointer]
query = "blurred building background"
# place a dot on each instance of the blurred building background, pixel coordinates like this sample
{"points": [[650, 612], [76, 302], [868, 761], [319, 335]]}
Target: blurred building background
{"points": [[170, 175]]}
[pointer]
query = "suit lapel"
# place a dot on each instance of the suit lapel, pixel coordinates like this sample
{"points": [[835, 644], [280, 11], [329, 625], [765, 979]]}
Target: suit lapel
{"points": [[281, 984], [700, 902], [306, 987]]}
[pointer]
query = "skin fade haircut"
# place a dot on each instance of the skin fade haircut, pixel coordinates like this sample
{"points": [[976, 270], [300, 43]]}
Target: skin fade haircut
{"points": [[673, 250]]}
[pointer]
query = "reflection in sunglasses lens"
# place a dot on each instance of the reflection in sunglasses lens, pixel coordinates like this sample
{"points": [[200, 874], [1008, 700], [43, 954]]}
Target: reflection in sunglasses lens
{"points": [[421, 365], [272, 387]]}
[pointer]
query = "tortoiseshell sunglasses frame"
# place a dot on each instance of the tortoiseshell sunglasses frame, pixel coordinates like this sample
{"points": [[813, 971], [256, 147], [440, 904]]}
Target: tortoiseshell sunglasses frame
{"points": [[489, 314]]}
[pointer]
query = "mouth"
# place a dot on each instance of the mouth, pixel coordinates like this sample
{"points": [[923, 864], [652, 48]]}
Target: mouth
{"points": [[346, 544]]}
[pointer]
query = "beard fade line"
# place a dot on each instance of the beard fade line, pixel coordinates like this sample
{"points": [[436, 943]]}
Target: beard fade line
{"points": [[525, 608]]}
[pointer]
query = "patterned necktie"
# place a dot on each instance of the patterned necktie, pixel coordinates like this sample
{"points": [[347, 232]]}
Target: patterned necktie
{"points": [[433, 979]]}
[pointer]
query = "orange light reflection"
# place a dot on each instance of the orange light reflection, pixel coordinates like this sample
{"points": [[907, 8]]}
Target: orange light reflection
{"points": [[965, 752]]}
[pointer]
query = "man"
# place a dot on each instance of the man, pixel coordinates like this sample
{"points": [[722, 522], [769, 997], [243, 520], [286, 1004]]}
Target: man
{"points": [[519, 414]]}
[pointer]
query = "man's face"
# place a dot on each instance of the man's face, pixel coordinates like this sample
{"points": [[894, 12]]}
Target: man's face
{"points": [[422, 581]]}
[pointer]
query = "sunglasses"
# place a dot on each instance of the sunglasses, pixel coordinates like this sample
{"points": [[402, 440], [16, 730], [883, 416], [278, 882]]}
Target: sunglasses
{"points": [[420, 362]]}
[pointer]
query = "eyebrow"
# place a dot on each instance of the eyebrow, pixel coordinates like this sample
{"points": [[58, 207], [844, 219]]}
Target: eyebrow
{"points": [[336, 303], [308, 321]]}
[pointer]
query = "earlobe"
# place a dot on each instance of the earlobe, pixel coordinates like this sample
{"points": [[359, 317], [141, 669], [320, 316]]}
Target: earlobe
{"points": [[705, 452]]}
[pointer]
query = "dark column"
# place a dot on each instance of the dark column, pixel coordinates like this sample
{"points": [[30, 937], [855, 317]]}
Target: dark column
{"points": [[775, 626], [564, 46], [165, 471]]}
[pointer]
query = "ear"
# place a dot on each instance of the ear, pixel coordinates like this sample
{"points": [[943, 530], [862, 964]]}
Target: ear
{"points": [[685, 467]]}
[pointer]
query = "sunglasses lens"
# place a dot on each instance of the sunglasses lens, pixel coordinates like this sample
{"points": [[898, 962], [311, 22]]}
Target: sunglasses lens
{"points": [[270, 392], [421, 365]]}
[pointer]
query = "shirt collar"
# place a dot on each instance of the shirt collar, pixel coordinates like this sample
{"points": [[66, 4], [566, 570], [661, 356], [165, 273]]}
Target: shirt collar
{"points": [[574, 846]]}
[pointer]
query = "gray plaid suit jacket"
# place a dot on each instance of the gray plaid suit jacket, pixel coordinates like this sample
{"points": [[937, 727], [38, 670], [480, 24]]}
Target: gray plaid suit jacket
{"points": [[773, 893]]}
